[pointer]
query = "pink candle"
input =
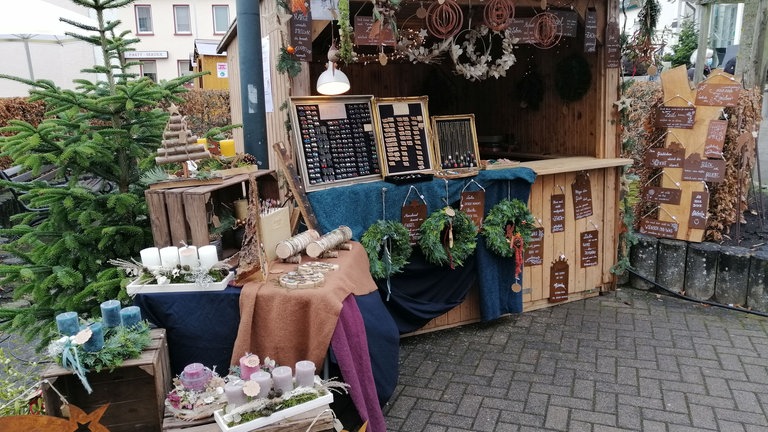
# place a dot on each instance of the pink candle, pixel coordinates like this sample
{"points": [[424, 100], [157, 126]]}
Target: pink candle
{"points": [[195, 376], [249, 364]]}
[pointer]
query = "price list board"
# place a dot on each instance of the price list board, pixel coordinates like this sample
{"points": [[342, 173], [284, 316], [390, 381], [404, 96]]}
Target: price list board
{"points": [[335, 140], [405, 135]]}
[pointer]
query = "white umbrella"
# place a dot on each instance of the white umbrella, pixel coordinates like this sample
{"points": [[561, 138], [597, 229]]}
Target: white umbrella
{"points": [[37, 21]]}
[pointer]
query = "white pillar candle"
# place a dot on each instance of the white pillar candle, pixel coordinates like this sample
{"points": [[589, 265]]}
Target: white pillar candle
{"points": [[188, 257], [169, 256], [305, 373], [264, 380], [282, 376], [234, 393], [150, 257], [208, 256]]}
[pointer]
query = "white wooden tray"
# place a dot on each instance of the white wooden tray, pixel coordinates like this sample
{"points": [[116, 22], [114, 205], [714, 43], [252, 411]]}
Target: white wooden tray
{"points": [[134, 287], [299, 411]]}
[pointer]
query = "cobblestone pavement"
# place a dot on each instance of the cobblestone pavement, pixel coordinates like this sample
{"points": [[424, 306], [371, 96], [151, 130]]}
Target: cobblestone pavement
{"points": [[626, 361]]}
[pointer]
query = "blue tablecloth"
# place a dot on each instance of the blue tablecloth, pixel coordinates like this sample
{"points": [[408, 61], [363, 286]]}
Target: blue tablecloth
{"points": [[358, 206]]}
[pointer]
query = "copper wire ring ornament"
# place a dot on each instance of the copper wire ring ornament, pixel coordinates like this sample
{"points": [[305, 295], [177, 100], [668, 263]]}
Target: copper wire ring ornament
{"points": [[498, 14], [547, 30], [444, 19]]}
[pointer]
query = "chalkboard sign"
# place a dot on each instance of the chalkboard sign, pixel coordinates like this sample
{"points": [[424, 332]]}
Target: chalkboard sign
{"points": [[455, 141], [590, 30], [558, 281], [473, 204], [335, 140], [412, 216], [569, 20], [582, 196], [557, 207], [670, 157], [662, 195], [301, 35], [368, 33], [725, 95], [589, 247], [675, 117], [659, 228], [612, 45], [522, 30], [404, 134], [713, 146], [697, 218], [534, 249], [709, 170]]}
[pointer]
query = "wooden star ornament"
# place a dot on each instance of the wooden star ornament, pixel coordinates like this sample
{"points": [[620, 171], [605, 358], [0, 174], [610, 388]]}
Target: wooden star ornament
{"points": [[623, 103]]}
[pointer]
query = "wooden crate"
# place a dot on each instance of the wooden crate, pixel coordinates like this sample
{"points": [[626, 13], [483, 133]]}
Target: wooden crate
{"points": [[182, 214], [135, 391]]}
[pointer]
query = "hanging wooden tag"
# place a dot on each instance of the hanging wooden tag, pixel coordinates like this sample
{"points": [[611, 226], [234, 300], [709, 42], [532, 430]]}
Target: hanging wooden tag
{"points": [[582, 196], [590, 30], [659, 228], [558, 212], [724, 95], [675, 117], [709, 170], [589, 246], [669, 157], [535, 247], [412, 216], [662, 195], [473, 204], [697, 218], [612, 45], [301, 35], [558, 281], [713, 146]]}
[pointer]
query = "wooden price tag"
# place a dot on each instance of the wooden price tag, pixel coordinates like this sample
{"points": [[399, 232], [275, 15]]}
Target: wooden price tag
{"points": [[412, 216], [589, 246], [662, 195], [713, 146], [581, 189], [473, 204], [535, 248], [612, 45], [590, 30], [725, 95], [670, 157], [558, 212], [675, 117], [697, 218], [370, 32], [658, 228], [558, 281]]}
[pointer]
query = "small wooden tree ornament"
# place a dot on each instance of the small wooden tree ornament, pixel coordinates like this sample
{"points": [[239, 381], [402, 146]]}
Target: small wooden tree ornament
{"points": [[179, 145]]}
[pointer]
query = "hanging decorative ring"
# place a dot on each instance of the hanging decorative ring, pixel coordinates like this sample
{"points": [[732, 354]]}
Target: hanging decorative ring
{"points": [[436, 227], [547, 30], [507, 212], [498, 14], [444, 19], [377, 237]]}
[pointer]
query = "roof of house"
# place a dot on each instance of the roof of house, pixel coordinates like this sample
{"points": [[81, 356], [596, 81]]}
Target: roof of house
{"points": [[207, 47]]}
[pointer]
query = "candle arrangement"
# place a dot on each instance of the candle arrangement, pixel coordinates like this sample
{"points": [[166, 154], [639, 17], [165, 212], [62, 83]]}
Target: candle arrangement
{"points": [[199, 391]]}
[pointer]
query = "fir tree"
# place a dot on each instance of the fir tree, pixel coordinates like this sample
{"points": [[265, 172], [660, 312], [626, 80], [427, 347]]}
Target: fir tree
{"points": [[103, 129], [687, 41]]}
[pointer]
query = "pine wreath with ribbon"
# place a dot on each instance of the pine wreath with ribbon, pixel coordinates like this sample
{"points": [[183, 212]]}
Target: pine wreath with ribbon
{"points": [[506, 214], [388, 245], [448, 239]]}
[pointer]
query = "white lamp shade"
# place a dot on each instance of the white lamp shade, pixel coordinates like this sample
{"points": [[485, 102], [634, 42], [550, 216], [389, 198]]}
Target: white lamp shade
{"points": [[332, 81]]}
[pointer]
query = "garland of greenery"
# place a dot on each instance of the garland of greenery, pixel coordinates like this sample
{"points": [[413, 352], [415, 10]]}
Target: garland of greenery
{"points": [[506, 212], [436, 249], [395, 256], [572, 77], [287, 62], [346, 53]]}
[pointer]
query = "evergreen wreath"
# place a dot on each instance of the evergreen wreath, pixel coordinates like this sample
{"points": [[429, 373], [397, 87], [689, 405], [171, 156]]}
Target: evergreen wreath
{"points": [[435, 243], [392, 259], [572, 77], [507, 212]]}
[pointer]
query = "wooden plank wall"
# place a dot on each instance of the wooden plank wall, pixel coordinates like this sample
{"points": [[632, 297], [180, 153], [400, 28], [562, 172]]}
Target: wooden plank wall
{"points": [[211, 81]]}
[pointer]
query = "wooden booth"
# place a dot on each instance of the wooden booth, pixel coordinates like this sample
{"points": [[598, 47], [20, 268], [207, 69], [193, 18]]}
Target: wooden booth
{"points": [[544, 100]]}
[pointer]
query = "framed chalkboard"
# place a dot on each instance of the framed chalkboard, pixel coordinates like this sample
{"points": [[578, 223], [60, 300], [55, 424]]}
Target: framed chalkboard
{"points": [[335, 140], [455, 140], [404, 134]]}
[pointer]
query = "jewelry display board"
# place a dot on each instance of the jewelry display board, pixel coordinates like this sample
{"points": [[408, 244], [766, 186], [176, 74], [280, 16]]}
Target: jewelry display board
{"points": [[404, 134], [456, 142], [335, 140]]}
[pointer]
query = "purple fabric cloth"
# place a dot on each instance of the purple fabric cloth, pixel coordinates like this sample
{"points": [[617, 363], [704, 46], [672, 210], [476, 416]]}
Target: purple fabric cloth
{"points": [[350, 348]]}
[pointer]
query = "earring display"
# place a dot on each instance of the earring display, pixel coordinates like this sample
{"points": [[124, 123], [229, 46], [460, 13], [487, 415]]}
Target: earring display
{"points": [[404, 131], [336, 143]]}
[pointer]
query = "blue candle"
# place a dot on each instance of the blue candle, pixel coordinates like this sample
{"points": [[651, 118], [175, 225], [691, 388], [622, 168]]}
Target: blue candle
{"points": [[110, 313], [96, 342], [130, 316], [67, 323]]}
